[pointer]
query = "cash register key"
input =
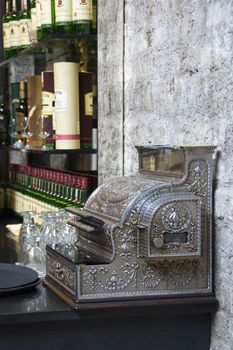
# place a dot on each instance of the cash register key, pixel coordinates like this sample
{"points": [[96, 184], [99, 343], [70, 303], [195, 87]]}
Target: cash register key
{"points": [[158, 242]]}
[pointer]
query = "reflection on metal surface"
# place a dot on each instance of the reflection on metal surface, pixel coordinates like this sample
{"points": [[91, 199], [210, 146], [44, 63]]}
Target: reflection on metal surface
{"points": [[166, 161]]}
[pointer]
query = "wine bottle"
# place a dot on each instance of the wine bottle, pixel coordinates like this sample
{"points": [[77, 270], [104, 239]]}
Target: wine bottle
{"points": [[63, 16], [47, 112], [4, 122], [47, 17], [38, 20], [94, 16], [34, 110], [33, 28], [14, 91], [14, 29], [86, 108], [6, 30], [94, 156], [24, 24], [22, 111], [82, 16]]}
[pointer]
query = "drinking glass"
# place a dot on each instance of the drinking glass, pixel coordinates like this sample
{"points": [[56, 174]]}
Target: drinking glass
{"points": [[67, 236], [13, 132], [25, 235], [30, 254], [48, 230], [27, 135], [56, 233], [44, 134]]}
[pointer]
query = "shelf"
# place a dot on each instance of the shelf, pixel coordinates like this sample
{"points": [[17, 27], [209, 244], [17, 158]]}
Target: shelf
{"points": [[75, 160], [54, 151], [57, 47], [57, 40]]}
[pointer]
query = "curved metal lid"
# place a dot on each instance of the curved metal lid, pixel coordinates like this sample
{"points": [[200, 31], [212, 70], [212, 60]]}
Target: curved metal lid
{"points": [[117, 196]]}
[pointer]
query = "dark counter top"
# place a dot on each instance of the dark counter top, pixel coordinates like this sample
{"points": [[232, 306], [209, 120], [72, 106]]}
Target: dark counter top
{"points": [[36, 305], [42, 305], [39, 305]]}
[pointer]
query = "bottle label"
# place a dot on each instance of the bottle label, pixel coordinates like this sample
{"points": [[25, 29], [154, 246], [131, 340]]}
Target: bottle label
{"points": [[38, 14], [69, 137], [24, 28], [63, 11], [6, 35], [82, 10], [47, 103], [33, 27], [60, 100], [46, 12], [94, 17], [88, 101], [14, 33], [23, 4]]}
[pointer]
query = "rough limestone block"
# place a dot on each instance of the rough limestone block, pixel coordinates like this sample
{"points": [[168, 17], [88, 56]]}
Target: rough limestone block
{"points": [[110, 98]]}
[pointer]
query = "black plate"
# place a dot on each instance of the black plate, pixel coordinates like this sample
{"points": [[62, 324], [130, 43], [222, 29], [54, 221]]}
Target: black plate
{"points": [[17, 290], [15, 276]]}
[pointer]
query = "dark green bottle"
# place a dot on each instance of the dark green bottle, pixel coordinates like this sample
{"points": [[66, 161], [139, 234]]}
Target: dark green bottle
{"points": [[33, 15], [38, 20], [47, 18], [94, 16], [14, 28], [63, 16], [82, 16], [24, 24], [6, 30], [4, 122], [22, 111]]}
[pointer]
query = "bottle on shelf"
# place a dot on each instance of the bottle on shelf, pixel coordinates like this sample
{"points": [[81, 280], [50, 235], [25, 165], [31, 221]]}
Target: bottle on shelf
{"points": [[55, 188], [47, 112], [14, 92], [86, 109], [4, 121], [33, 28], [66, 87], [14, 28], [94, 16], [47, 17], [21, 114], [82, 16], [24, 24], [34, 111], [63, 16], [38, 20], [6, 30], [94, 156]]}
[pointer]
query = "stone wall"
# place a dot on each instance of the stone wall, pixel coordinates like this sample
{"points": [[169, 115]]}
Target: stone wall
{"points": [[166, 76], [110, 95]]}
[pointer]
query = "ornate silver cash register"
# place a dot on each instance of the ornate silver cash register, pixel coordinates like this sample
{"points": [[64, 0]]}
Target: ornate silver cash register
{"points": [[145, 236]]}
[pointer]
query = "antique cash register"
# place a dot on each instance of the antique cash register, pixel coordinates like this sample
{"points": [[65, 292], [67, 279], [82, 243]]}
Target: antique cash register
{"points": [[143, 236]]}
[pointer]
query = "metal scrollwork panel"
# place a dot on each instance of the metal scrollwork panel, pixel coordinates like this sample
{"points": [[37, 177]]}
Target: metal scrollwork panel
{"points": [[61, 273], [176, 229], [130, 276], [198, 179], [134, 278]]}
